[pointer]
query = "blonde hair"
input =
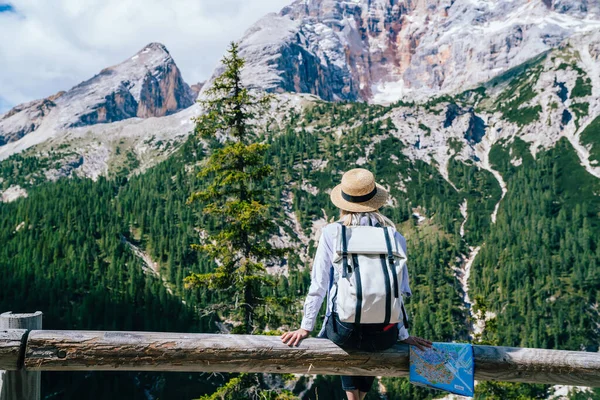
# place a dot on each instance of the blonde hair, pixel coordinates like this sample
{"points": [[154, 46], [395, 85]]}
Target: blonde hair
{"points": [[350, 218]]}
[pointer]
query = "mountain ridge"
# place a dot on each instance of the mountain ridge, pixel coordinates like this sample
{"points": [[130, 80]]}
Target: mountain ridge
{"points": [[515, 102], [384, 51], [495, 187], [149, 84]]}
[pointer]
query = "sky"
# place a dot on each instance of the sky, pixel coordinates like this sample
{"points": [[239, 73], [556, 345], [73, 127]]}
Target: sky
{"points": [[48, 46]]}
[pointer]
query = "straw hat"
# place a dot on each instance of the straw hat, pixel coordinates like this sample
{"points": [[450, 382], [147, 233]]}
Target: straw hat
{"points": [[358, 192]]}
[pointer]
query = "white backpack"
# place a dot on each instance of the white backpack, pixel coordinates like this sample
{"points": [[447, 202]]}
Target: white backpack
{"points": [[368, 265]]}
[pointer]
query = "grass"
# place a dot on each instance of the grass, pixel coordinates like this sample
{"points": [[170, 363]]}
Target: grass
{"points": [[23, 170], [591, 136], [519, 91], [472, 95], [522, 116], [425, 128], [517, 72], [482, 191], [580, 110], [575, 185], [583, 87], [583, 84], [503, 152], [455, 145]]}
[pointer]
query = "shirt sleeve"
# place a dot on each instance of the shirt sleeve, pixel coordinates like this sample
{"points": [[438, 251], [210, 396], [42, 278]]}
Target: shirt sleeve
{"points": [[403, 333], [405, 288], [319, 283]]}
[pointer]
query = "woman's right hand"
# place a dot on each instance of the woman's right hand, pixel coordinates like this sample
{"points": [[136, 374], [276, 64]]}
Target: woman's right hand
{"points": [[420, 343], [295, 337]]}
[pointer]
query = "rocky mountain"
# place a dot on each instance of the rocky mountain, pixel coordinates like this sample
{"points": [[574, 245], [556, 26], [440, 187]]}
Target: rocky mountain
{"points": [[25, 118], [386, 50], [490, 147], [149, 84], [494, 70]]}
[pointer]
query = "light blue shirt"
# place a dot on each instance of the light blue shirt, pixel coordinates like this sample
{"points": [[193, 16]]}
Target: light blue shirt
{"points": [[320, 278]]}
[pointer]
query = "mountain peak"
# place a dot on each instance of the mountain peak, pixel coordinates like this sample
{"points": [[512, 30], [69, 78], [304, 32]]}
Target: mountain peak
{"points": [[383, 51], [149, 84], [154, 51], [151, 56], [154, 47]]}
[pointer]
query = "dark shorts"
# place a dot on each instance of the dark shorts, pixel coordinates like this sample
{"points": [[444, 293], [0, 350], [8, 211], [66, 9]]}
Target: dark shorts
{"points": [[365, 337], [360, 383]]}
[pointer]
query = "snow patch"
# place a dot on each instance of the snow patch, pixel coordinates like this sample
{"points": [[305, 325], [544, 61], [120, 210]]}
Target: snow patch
{"points": [[389, 92], [419, 217], [13, 193], [463, 211], [149, 266], [484, 154], [307, 187], [463, 273], [562, 392]]}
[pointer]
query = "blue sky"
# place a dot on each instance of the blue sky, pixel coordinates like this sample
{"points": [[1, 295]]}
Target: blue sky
{"points": [[4, 105], [6, 7], [53, 45]]}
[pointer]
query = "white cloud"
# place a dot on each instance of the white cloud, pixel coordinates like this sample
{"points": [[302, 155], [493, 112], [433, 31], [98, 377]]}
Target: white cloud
{"points": [[48, 46]]}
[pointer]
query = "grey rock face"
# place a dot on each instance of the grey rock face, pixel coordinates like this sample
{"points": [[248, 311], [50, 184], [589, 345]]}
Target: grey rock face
{"points": [[25, 118], [149, 84], [302, 72], [386, 50], [117, 106]]}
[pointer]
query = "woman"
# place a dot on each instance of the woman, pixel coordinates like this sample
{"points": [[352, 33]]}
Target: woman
{"points": [[359, 199]]}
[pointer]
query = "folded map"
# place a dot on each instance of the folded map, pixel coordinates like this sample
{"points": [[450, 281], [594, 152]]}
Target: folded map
{"points": [[445, 366]]}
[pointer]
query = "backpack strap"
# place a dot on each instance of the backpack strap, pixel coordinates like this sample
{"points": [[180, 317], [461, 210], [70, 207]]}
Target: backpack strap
{"points": [[329, 311], [404, 317], [344, 253], [390, 258], [359, 296]]}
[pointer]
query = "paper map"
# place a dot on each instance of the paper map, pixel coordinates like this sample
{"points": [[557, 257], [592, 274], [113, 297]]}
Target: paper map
{"points": [[445, 366]]}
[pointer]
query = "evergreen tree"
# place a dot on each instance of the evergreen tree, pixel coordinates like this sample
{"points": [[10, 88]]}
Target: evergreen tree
{"points": [[235, 199], [233, 196]]}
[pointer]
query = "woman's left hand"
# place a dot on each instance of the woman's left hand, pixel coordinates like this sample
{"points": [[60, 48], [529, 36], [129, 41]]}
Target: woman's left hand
{"points": [[420, 343], [295, 337]]}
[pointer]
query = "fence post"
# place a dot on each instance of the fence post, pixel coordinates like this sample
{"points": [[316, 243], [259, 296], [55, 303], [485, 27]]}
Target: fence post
{"points": [[20, 385]]}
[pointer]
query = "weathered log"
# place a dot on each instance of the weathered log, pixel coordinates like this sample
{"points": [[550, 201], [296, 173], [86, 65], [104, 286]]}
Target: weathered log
{"points": [[514, 364], [20, 385], [147, 351], [11, 342]]}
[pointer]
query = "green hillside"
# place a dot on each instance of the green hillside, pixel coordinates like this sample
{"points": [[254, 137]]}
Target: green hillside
{"points": [[65, 247], [77, 249]]}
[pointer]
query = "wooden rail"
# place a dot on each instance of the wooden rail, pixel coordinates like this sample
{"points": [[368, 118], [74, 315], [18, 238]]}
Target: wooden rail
{"points": [[148, 351], [15, 382]]}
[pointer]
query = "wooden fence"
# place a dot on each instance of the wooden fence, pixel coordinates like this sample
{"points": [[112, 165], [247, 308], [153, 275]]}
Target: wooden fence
{"points": [[29, 351]]}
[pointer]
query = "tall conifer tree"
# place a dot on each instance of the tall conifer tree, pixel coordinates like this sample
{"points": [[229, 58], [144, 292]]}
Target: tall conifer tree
{"points": [[233, 196]]}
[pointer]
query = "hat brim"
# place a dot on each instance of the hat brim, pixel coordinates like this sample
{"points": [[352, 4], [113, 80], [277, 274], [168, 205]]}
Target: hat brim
{"points": [[373, 204]]}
